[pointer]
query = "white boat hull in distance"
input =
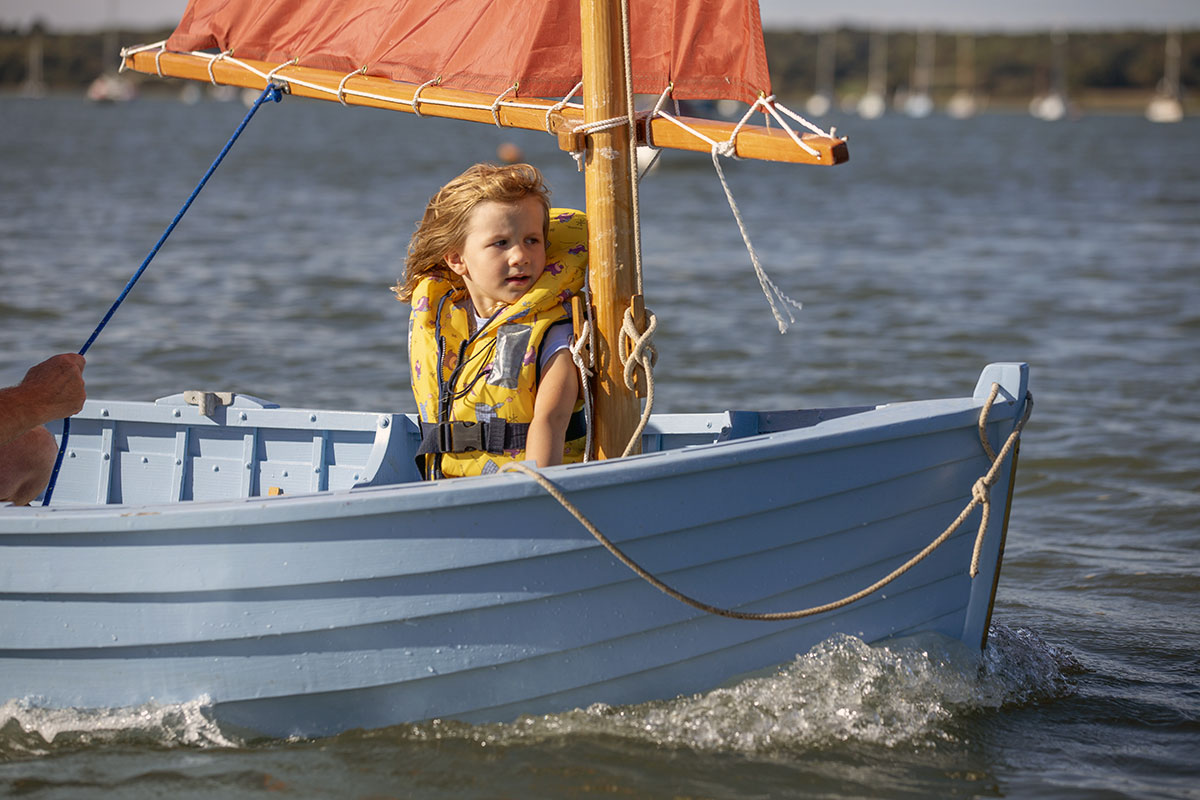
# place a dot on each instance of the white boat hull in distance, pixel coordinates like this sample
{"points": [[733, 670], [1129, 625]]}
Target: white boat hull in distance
{"points": [[369, 602]]}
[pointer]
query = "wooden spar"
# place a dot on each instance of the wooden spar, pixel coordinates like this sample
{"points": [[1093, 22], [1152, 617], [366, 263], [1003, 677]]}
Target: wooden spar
{"points": [[609, 186], [753, 141]]}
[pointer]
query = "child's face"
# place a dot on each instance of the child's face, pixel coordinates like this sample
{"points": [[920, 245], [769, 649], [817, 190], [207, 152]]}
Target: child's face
{"points": [[503, 253]]}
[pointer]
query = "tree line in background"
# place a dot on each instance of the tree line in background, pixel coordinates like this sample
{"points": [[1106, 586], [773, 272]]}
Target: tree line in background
{"points": [[1116, 68], [1108, 68]]}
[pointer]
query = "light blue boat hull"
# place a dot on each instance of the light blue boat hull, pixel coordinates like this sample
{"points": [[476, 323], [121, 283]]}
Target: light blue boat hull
{"points": [[362, 598]]}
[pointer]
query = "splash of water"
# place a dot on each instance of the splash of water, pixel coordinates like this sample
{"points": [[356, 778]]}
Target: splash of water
{"points": [[906, 691], [29, 730], [843, 690]]}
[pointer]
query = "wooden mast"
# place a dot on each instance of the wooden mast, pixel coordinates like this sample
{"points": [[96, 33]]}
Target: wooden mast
{"points": [[610, 230]]}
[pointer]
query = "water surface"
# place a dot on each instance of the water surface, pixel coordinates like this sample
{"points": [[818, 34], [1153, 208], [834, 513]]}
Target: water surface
{"points": [[939, 247]]}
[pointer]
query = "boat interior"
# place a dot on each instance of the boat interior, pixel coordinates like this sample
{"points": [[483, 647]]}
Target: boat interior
{"points": [[219, 446]]}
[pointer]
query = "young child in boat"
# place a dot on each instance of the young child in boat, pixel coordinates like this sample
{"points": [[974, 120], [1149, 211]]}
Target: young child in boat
{"points": [[489, 331]]}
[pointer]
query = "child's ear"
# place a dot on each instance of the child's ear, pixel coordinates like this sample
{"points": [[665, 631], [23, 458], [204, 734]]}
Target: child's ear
{"points": [[454, 261]]}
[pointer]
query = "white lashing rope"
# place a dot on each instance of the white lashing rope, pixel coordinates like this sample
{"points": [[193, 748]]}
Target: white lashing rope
{"points": [[220, 57], [776, 298], [662, 98], [271, 74], [580, 347], [416, 98], [496, 104], [642, 354], [342, 91], [559, 106]]}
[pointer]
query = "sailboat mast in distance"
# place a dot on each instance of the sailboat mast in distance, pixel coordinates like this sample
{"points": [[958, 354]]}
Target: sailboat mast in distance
{"points": [[1166, 105], [962, 103]]}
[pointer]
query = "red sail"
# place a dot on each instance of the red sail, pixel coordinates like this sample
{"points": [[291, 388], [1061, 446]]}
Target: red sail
{"points": [[709, 49]]}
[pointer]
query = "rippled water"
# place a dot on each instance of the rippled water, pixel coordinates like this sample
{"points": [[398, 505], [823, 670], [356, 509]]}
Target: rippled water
{"points": [[941, 246]]}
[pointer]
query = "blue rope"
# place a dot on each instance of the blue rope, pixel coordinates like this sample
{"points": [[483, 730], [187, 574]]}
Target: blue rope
{"points": [[272, 92]]}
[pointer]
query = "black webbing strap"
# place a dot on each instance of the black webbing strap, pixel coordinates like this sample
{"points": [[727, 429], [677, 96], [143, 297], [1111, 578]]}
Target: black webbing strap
{"points": [[494, 436]]}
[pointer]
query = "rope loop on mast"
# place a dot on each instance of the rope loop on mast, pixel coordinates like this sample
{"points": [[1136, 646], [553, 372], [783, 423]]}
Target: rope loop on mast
{"points": [[636, 351], [583, 354], [636, 348]]}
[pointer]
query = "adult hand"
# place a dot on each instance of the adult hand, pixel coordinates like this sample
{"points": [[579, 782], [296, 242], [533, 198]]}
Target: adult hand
{"points": [[56, 385], [50, 390]]}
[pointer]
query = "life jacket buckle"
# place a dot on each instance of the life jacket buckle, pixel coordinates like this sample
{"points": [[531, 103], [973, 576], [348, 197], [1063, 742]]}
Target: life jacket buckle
{"points": [[461, 437]]}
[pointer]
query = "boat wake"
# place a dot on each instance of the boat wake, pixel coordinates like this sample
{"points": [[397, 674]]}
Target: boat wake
{"points": [[842, 691], [27, 730], [905, 691]]}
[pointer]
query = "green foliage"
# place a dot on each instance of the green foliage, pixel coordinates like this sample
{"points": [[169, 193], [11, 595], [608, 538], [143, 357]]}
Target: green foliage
{"points": [[1013, 66], [1006, 66], [69, 60]]}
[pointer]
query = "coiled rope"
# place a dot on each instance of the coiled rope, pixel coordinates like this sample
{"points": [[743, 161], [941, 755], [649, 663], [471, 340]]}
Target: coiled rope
{"points": [[980, 495], [273, 92]]}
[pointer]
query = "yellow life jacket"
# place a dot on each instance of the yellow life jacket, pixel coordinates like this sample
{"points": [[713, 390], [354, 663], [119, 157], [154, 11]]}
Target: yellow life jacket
{"points": [[475, 392]]}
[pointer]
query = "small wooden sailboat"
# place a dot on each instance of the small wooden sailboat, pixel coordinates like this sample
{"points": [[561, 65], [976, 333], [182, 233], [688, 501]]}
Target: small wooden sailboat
{"points": [[289, 567]]}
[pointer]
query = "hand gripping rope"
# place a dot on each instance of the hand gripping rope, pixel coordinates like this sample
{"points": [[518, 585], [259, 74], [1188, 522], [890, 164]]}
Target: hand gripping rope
{"points": [[273, 92]]}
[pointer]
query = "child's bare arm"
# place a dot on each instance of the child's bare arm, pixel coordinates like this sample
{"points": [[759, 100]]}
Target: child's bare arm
{"points": [[556, 396]]}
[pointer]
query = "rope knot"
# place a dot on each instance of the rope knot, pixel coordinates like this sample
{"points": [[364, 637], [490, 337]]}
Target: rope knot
{"points": [[727, 148], [635, 347], [581, 352]]}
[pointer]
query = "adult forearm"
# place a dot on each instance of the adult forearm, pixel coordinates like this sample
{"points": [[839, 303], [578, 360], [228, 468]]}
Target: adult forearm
{"points": [[16, 414]]}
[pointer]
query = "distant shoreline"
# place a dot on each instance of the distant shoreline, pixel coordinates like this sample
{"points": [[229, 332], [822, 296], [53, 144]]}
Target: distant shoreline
{"points": [[1100, 71]]}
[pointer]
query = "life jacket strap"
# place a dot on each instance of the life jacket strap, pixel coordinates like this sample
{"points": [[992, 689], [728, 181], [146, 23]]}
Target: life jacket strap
{"points": [[493, 436]]}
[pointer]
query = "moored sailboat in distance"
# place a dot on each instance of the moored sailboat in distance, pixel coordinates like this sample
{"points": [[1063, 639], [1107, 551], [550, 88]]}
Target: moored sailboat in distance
{"points": [[821, 100], [1167, 105], [963, 103], [873, 103], [917, 102], [289, 566], [1052, 105], [110, 86], [34, 85]]}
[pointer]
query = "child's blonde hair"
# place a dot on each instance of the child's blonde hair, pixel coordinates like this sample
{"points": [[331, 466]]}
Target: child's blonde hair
{"points": [[443, 229]]}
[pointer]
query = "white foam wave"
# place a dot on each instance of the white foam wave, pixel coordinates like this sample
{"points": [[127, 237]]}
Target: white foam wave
{"points": [[26, 728], [903, 691]]}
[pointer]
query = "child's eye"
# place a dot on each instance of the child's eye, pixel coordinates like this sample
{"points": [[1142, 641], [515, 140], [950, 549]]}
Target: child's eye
{"points": [[500, 243], [533, 240]]}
